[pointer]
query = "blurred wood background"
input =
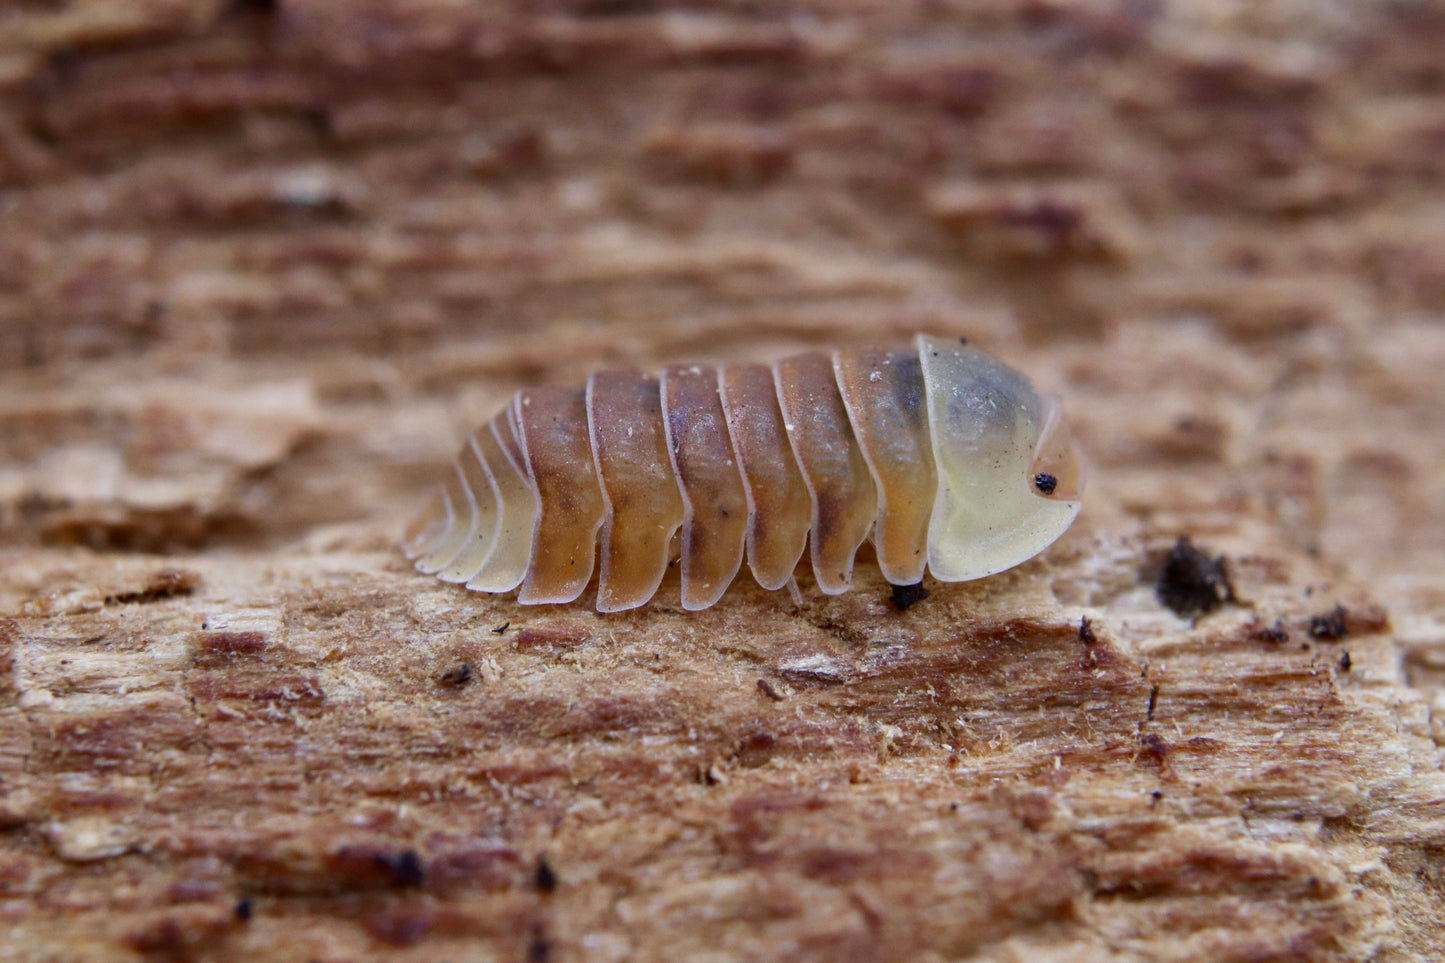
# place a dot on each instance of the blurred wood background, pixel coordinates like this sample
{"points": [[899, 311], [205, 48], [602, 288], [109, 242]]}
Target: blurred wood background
{"points": [[264, 264]]}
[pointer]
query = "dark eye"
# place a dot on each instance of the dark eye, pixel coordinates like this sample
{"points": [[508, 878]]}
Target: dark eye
{"points": [[1045, 483]]}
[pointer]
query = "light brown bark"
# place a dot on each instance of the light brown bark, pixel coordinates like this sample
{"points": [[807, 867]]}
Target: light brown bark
{"points": [[262, 266]]}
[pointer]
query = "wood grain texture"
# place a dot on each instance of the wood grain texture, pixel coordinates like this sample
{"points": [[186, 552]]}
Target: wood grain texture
{"points": [[263, 266]]}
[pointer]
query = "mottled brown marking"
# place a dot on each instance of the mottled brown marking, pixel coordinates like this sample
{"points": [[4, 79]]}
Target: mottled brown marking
{"points": [[282, 689], [402, 925], [755, 750], [165, 584], [181, 933], [362, 865], [232, 643], [486, 867], [1199, 870], [734, 156], [9, 632], [554, 635]]}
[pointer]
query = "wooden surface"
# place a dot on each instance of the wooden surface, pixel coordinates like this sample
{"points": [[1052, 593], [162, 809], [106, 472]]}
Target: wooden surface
{"points": [[262, 265]]}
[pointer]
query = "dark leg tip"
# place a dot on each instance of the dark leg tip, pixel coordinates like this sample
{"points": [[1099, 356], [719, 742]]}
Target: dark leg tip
{"points": [[906, 595]]}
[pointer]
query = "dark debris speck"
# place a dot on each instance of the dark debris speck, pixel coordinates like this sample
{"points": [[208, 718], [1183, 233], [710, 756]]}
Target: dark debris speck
{"points": [[766, 688], [1345, 662], [407, 869], [1330, 625], [545, 877], [1276, 633], [1155, 745], [244, 910], [540, 949], [458, 675], [1192, 583]]}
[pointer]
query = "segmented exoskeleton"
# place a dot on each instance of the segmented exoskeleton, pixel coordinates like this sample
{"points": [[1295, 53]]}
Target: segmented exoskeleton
{"points": [[944, 455]]}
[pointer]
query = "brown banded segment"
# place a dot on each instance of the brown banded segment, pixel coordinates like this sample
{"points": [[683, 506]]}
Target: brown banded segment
{"points": [[558, 452], [779, 508], [517, 508], [884, 393], [643, 503], [845, 501], [715, 505]]}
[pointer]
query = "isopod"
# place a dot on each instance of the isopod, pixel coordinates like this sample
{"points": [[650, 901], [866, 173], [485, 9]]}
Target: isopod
{"points": [[943, 455]]}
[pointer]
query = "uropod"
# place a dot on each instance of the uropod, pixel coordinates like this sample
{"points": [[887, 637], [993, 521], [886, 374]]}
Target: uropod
{"points": [[945, 456]]}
